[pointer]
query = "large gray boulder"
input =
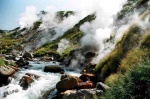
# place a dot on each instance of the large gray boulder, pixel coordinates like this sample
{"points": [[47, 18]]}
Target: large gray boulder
{"points": [[5, 73], [102, 86], [82, 94]]}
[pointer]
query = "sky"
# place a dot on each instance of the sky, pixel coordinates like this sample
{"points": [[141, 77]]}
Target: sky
{"points": [[10, 10]]}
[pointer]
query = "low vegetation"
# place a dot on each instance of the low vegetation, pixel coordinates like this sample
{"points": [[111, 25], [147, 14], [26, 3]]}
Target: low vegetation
{"points": [[2, 63], [135, 84], [111, 62]]}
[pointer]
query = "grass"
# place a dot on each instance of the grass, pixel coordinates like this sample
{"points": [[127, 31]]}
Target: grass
{"points": [[7, 45], [112, 78], [139, 54], [2, 63], [145, 42], [111, 62]]}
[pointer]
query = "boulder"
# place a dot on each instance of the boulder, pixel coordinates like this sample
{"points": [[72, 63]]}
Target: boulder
{"points": [[89, 55], [25, 82], [86, 85], [66, 76], [89, 68], [33, 75], [27, 55], [67, 84], [10, 57], [102, 86], [15, 68], [5, 73], [47, 59], [67, 92], [10, 62], [87, 76], [54, 69], [22, 62], [82, 94]]}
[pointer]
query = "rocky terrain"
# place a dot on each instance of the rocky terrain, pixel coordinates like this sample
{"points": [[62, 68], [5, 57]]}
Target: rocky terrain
{"points": [[119, 70]]}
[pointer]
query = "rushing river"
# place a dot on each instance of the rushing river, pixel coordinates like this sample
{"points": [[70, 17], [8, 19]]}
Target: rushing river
{"points": [[38, 88]]}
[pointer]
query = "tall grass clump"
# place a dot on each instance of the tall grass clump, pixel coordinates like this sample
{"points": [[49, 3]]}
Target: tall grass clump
{"points": [[111, 62]]}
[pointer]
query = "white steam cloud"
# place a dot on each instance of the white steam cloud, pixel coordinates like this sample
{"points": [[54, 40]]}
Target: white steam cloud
{"points": [[27, 18], [101, 28], [63, 45]]}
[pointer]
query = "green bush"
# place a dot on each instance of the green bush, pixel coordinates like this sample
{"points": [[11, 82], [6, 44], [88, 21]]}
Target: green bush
{"points": [[134, 85]]}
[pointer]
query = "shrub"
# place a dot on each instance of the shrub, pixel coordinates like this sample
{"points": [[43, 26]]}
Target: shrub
{"points": [[134, 85]]}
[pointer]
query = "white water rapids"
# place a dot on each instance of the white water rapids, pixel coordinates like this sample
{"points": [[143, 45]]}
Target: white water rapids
{"points": [[38, 88]]}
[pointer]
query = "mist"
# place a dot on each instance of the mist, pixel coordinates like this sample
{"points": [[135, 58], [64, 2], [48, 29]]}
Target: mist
{"points": [[27, 18]]}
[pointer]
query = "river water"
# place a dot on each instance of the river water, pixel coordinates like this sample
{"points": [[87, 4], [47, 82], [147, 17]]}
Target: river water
{"points": [[38, 88]]}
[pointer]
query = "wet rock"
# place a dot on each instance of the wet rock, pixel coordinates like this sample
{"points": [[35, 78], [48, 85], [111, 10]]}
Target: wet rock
{"points": [[86, 85], [87, 76], [25, 82], [102, 86], [47, 59], [22, 62], [33, 75], [83, 94], [5, 73], [10, 62], [89, 55], [27, 55], [67, 84], [66, 76], [54, 69], [10, 57], [67, 92], [90, 68], [6, 70], [15, 68]]}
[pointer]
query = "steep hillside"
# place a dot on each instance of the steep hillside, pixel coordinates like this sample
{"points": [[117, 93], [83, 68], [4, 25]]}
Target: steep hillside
{"points": [[126, 67], [127, 52], [72, 35]]}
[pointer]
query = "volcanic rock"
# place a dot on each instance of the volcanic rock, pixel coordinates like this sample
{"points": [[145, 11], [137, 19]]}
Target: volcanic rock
{"points": [[5, 73], [54, 69], [67, 84]]}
